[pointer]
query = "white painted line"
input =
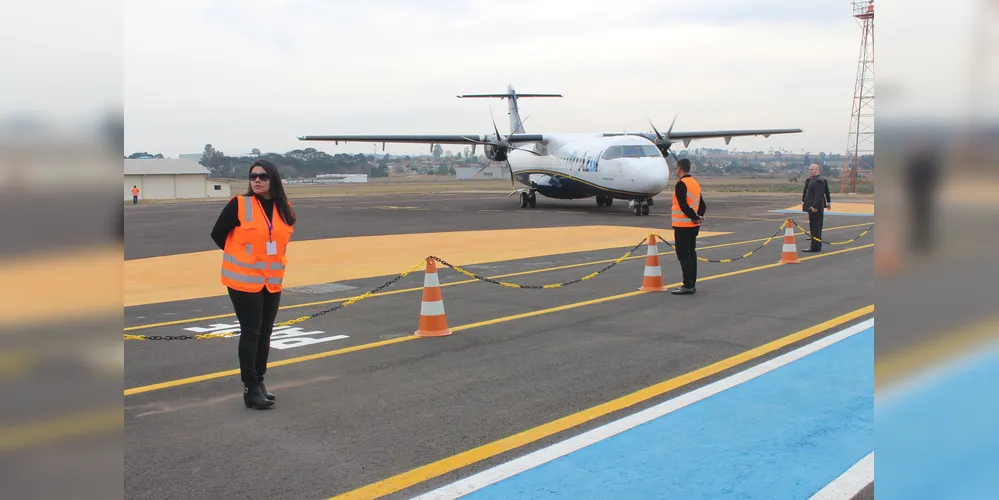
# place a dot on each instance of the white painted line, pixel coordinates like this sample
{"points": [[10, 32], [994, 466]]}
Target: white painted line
{"points": [[544, 455], [847, 485]]}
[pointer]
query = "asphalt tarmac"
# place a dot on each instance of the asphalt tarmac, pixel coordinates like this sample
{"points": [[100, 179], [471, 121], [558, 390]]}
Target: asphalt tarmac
{"points": [[361, 400]]}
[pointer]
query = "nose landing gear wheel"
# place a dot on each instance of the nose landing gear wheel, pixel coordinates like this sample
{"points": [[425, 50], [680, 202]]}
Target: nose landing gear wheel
{"points": [[528, 200]]}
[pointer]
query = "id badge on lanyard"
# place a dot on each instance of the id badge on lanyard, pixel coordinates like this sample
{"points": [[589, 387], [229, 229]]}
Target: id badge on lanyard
{"points": [[271, 244]]}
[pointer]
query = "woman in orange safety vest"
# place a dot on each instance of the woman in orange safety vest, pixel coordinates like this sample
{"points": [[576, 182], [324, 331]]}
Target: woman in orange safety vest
{"points": [[253, 232]]}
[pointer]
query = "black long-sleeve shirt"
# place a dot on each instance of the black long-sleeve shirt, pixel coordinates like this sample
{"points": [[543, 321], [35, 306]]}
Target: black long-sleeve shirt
{"points": [[681, 198], [229, 219]]}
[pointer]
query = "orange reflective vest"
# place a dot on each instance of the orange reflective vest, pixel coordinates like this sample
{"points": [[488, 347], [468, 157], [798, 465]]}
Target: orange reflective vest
{"points": [[135, 191], [246, 265], [680, 219]]}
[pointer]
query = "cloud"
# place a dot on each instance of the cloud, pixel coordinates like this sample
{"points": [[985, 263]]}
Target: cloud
{"points": [[241, 75]]}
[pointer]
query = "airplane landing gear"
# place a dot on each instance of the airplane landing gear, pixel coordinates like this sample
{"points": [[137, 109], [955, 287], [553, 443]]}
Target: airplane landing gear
{"points": [[640, 207], [528, 200], [604, 201]]}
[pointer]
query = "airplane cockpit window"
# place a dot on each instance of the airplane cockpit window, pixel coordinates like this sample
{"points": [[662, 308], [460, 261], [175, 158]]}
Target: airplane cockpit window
{"points": [[642, 151], [612, 152]]}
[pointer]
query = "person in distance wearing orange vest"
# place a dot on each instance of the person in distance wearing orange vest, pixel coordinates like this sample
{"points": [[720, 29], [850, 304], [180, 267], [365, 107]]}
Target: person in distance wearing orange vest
{"points": [[253, 232], [686, 225], [135, 194]]}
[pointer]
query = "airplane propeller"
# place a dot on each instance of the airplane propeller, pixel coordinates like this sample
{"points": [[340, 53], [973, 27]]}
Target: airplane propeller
{"points": [[663, 142], [500, 142]]}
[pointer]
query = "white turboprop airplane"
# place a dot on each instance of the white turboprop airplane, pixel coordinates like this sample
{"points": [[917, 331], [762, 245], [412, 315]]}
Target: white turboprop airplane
{"points": [[605, 165]]}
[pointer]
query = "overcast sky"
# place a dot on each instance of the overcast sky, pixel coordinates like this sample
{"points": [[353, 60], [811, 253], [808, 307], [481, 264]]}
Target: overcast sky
{"points": [[243, 74]]}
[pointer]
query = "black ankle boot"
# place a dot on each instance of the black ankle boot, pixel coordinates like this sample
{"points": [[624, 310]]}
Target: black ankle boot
{"points": [[263, 389], [253, 397]]}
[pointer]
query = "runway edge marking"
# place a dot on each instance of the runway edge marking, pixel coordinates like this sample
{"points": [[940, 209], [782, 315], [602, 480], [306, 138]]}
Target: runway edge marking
{"points": [[847, 485], [421, 474], [563, 448], [320, 355]]}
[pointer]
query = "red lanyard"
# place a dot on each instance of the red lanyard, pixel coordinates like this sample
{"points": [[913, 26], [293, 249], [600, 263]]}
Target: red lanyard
{"points": [[267, 218]]}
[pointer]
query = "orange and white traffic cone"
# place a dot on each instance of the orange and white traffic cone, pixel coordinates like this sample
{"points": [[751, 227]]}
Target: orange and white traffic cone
{"points": [[433, 321], [652, 281], [789, 255]]}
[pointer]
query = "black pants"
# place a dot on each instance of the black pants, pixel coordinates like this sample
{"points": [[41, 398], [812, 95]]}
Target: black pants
{"points": [[256, 313], [815, 228], [685, 244]]}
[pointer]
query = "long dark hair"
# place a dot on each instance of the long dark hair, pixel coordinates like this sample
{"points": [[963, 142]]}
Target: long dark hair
{"points": [[277, 190]]}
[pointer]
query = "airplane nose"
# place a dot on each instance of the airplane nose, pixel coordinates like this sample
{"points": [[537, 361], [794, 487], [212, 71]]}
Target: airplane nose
{"points": [[660, 174]]}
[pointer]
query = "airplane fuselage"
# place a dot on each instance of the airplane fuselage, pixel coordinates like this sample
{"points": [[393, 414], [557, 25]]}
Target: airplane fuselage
{"points": [[577, 166]]}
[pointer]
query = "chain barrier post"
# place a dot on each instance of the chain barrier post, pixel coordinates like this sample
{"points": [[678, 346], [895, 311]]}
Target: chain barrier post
{"points": [[433, 320], [652, 279], [789, 254]]}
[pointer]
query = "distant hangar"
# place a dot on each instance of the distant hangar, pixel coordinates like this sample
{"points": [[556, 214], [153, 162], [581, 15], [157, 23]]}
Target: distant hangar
{"points": [[172, 179]]}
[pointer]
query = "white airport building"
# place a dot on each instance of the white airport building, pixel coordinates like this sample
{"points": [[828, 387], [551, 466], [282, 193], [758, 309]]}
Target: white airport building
{"points": [[171, 178]]}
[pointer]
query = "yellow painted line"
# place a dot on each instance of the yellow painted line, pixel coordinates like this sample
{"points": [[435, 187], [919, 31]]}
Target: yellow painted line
{"points": [[421, 474], [464, 282], [743, 218], [80, 424], [270, 364], [362, 347]]}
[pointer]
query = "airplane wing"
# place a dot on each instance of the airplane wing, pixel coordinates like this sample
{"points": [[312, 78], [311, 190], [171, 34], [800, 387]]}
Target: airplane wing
{"points": [[686, 137], [421, 138]]}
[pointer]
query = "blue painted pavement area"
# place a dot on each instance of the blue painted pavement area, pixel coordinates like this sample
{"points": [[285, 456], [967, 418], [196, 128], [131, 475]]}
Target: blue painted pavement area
{"points": [[938, 437], [784, 434]]}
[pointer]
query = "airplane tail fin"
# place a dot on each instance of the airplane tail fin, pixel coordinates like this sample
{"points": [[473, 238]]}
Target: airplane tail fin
{"points": [[516, 124]]}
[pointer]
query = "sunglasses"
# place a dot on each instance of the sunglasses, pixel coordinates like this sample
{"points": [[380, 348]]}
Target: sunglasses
{"points": [[262, 177]]}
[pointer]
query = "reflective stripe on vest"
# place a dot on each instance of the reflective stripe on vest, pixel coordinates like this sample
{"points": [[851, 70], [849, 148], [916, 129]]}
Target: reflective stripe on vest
{"points": [[680, 219]]}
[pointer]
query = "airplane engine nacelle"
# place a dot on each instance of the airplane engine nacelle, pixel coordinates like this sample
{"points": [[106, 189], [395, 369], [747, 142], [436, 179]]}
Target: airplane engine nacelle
{"points": [[495, 153]]}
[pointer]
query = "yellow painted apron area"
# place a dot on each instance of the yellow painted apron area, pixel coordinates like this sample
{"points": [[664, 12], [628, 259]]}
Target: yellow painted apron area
{"points": [[196, 275], [80, 286], [841, 208]]}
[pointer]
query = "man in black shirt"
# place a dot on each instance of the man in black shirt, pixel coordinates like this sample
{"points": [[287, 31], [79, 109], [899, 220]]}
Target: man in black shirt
{"points": [[688, 213], [815, 200]]}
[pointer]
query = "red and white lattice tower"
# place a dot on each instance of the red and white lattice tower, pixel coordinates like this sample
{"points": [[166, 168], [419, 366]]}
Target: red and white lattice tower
{"points": [[860, 143]]}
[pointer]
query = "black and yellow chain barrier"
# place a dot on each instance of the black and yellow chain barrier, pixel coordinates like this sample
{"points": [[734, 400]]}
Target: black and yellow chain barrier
{"points": [[743, 256], [354, 300], [538, 287], [861, 235], [230, 333]]}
